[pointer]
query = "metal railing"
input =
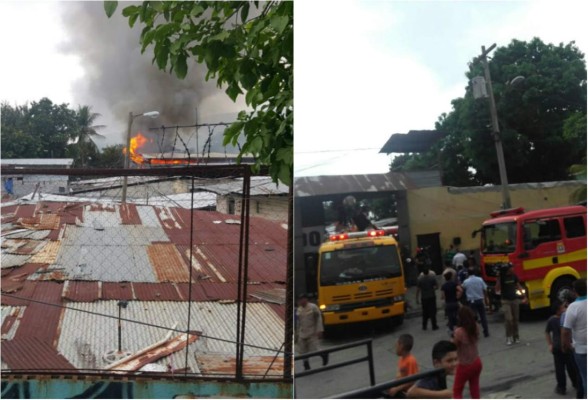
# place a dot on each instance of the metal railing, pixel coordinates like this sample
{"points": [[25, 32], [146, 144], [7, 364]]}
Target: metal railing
{"points": [[325, 352], [378, 391]]}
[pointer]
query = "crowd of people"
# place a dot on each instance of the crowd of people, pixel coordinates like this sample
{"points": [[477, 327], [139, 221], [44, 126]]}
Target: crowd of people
{"points": [[466, 303]]}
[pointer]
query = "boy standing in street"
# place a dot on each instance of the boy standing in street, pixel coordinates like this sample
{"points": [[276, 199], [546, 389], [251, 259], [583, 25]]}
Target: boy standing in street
{"points": [[407, 365], [435, 387]]}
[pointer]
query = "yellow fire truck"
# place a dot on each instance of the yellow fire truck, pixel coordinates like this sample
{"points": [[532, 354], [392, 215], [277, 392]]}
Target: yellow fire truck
{"points": [[360, 278]]}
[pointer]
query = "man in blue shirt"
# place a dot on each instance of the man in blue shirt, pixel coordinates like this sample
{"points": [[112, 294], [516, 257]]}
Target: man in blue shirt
{"points": [[477, 296]]}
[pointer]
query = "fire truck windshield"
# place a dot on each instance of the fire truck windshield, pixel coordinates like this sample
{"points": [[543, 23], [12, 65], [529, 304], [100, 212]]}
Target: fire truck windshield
{"points": [[359, 264], [499, 238]]}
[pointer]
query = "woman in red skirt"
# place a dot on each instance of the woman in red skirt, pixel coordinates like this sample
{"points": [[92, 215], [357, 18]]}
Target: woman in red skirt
{"points": [[469, 365]]}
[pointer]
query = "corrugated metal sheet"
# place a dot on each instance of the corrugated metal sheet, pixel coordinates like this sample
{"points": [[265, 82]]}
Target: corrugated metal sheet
{"points": [[82, 291], [168, 263], [155, 352], [11, 317], [117, 291], [125, 235], [223, 364], [13, 260], [25, 210], [129, 214], [280, 311], [198, 293], [11, 245], [27, 234], [156, 292], [25, 247], [101, 217], [277, 296], [33, 354], [41, 222], [264, 328], [48, 254], [16, 278], [148, 216], [105, 263], [25, 293], [338, 184], [41, 321]]}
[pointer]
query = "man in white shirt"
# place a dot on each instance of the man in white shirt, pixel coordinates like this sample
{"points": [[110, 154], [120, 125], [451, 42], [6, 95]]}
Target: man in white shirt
{"points": [[458, 259], [573, 334]]}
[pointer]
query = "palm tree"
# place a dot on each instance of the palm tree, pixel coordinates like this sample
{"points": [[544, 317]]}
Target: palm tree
{"points": [[86, 131]]}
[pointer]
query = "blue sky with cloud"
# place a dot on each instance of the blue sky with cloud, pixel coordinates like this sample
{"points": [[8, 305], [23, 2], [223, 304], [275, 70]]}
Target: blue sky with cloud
{"points": [[368, 69]]}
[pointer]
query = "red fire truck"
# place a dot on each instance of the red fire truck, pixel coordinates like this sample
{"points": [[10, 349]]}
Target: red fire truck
{"points": [[547, 249]]}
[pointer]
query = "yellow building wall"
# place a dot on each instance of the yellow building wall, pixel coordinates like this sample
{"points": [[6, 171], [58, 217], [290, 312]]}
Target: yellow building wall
{"points": [[458, 214]]}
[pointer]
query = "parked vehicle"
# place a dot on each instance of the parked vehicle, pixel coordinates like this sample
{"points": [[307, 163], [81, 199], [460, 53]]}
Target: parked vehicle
{"points": [[547, 249], [360, 278]]}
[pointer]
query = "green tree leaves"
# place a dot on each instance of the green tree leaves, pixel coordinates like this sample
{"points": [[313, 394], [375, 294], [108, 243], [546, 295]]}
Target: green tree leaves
{"points": [[110, 7], [247, 48], [542, 119]]}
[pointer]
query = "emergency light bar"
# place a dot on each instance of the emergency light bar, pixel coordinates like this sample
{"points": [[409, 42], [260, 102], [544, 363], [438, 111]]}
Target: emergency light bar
{"points": [[355, 235]]}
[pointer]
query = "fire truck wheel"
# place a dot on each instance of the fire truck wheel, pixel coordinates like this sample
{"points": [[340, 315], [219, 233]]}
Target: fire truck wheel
{"points": [[559, 286]]}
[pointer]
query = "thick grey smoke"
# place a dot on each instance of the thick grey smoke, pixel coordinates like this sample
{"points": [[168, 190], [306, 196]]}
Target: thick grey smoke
{"points": [[119, 79]]}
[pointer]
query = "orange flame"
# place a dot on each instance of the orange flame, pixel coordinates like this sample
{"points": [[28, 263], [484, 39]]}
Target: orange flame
{"points": [[139, 141], [136, 143]]}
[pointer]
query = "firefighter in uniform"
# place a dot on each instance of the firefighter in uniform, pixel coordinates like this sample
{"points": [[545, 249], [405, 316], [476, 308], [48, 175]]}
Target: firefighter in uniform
{"points": [[309, 328]]}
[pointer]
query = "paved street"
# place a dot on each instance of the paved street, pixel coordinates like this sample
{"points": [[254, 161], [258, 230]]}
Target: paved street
{"points": [[524, 370]]}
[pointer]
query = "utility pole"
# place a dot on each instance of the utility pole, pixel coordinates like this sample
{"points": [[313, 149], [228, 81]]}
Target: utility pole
{"points": [[127, 156], [150, 114], [496, 129]]}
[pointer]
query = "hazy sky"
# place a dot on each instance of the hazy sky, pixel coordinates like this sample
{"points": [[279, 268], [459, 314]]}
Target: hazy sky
{"points": [[366, 70], [363, 71]]}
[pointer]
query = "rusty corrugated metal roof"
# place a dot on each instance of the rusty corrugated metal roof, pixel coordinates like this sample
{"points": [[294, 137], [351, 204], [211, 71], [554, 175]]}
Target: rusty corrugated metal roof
{"points": [[129, 214], [82, 291], [253, 366], [41, 222], [155, 352], [156, 292], [48, 254], [41, 321], [8, 260], [276, 296], [84, 348], [24, 246], [11, 317], [16, 278], [167, 263], [117, 291], [32, 354]]}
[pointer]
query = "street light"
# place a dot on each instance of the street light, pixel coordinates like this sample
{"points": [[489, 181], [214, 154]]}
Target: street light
{"points": [[150, 114]]}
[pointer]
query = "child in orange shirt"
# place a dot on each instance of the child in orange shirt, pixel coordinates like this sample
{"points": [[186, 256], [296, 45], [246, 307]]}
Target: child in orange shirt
{"points": [[407, 365]]}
